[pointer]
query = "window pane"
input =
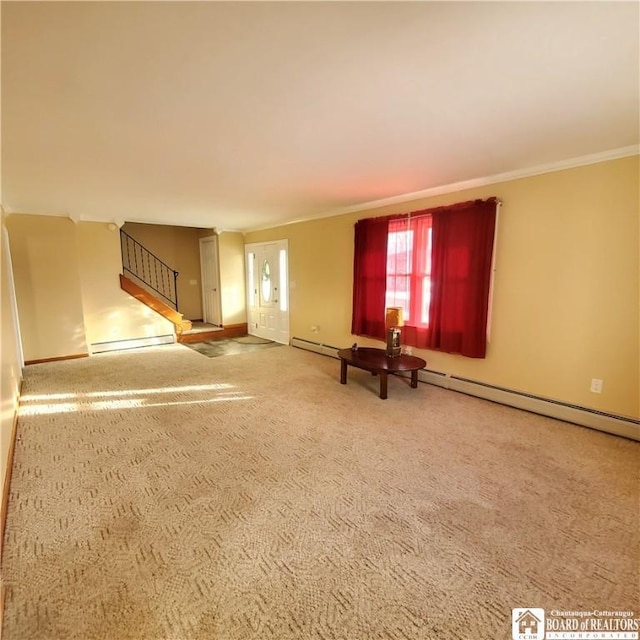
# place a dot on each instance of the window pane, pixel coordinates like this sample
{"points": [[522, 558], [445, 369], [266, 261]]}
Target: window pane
{"points": [[399, 251], [399, 257], [283, 280], [252, 283]]}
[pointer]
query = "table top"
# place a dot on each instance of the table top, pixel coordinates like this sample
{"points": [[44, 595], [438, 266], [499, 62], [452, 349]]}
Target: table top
{"points": [[374, 359]]}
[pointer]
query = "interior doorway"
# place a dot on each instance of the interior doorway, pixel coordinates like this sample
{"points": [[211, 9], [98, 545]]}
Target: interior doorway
{"points": [[210, 278], [267, 269]]}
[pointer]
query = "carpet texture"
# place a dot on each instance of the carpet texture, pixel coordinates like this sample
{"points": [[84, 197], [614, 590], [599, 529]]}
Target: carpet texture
{"points": [[157, 494]]}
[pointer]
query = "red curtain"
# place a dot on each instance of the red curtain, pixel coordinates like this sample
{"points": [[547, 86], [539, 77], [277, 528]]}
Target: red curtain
{"points": [[369, 277], [436, 264], [461, 275]]}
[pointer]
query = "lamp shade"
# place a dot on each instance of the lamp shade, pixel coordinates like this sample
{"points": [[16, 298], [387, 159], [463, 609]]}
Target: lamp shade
{"points": [[394, 317]]}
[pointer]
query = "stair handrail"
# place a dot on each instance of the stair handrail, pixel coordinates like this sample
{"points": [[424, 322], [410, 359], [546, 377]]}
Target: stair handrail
{"points": [[169, 293]]}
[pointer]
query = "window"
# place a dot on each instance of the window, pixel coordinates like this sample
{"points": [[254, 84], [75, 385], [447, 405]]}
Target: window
{"points": [[409, 269], [436, 265]]}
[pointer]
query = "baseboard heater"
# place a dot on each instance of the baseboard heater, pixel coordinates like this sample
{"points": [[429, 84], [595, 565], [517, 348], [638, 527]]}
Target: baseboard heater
{"points": [[607, 422], [131, 343]]}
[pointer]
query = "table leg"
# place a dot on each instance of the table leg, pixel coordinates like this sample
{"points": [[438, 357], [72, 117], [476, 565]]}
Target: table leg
{"points": [[343, 372], [414, 379], [383, 385]]}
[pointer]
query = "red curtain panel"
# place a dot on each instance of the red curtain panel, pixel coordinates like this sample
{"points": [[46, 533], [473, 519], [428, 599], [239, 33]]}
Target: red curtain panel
{"points": [[461, 276], [369, 277]]}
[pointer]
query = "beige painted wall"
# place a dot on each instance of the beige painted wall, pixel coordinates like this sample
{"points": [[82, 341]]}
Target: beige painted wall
{"points": [[566, 293], [232, 278], [179, 248], [110, 314], [45, 265], [10, 356], [68, 288]]}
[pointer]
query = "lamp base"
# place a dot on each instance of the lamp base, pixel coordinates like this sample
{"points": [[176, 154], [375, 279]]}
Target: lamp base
{"points": [[393, 342]]}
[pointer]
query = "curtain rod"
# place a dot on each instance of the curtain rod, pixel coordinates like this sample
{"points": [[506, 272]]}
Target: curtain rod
{"points": [[428, 212]]}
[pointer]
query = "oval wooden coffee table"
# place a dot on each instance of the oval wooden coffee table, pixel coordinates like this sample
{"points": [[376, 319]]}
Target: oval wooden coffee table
{"points": [[377, 362]]}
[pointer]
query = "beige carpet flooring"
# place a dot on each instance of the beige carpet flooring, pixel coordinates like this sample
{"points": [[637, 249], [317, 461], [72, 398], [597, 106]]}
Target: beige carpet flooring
{"points": [[158, 494]]}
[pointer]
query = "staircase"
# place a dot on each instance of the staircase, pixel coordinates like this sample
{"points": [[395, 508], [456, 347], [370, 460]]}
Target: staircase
{"points": [[158, 288], [135, 290], [155, 284]]}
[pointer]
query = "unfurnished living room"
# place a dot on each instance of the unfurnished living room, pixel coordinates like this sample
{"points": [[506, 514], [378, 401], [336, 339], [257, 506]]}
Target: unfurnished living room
{"points": [[320, 320]]}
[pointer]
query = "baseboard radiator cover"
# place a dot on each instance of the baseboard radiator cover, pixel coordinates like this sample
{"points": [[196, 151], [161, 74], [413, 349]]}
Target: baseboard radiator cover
{"points": [[316, 347], [599, 420], [131, 343]]}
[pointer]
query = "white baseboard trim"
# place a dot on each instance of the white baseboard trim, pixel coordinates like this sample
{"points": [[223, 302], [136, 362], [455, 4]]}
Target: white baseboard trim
{"points": [[601, 421], [609, 423], [131, 343]]}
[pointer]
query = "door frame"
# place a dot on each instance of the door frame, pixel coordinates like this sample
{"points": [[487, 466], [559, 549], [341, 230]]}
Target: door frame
{"points": [[284, 327], [7, 264]]}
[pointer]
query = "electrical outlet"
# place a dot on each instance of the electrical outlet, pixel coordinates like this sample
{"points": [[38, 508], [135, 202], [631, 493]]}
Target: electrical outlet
{"points": [[596, 385]]}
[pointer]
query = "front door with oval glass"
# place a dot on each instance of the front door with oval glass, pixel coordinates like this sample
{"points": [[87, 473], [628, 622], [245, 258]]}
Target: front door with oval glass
{"points": [[267, 288]]}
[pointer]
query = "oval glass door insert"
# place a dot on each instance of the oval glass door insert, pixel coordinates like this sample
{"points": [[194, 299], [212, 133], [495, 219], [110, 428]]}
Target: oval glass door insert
{"points": [[266, 281]]}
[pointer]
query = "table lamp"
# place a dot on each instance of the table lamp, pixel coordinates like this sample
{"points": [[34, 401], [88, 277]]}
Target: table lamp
{"points": [[394, 319]]}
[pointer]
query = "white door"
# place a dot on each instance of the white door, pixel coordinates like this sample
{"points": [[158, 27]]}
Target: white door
{"points": [[267, 290], [210, 276]]}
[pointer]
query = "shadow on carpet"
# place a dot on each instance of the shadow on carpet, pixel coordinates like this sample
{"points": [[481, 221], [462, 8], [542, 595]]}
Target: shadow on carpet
{"points": [[231, 346]]}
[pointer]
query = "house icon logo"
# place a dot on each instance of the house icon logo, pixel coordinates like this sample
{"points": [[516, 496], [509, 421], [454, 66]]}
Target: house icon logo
{"points": [[527, 624]]}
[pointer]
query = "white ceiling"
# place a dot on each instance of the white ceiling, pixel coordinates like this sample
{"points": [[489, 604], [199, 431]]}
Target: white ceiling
{"points": [[240, 115]]}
